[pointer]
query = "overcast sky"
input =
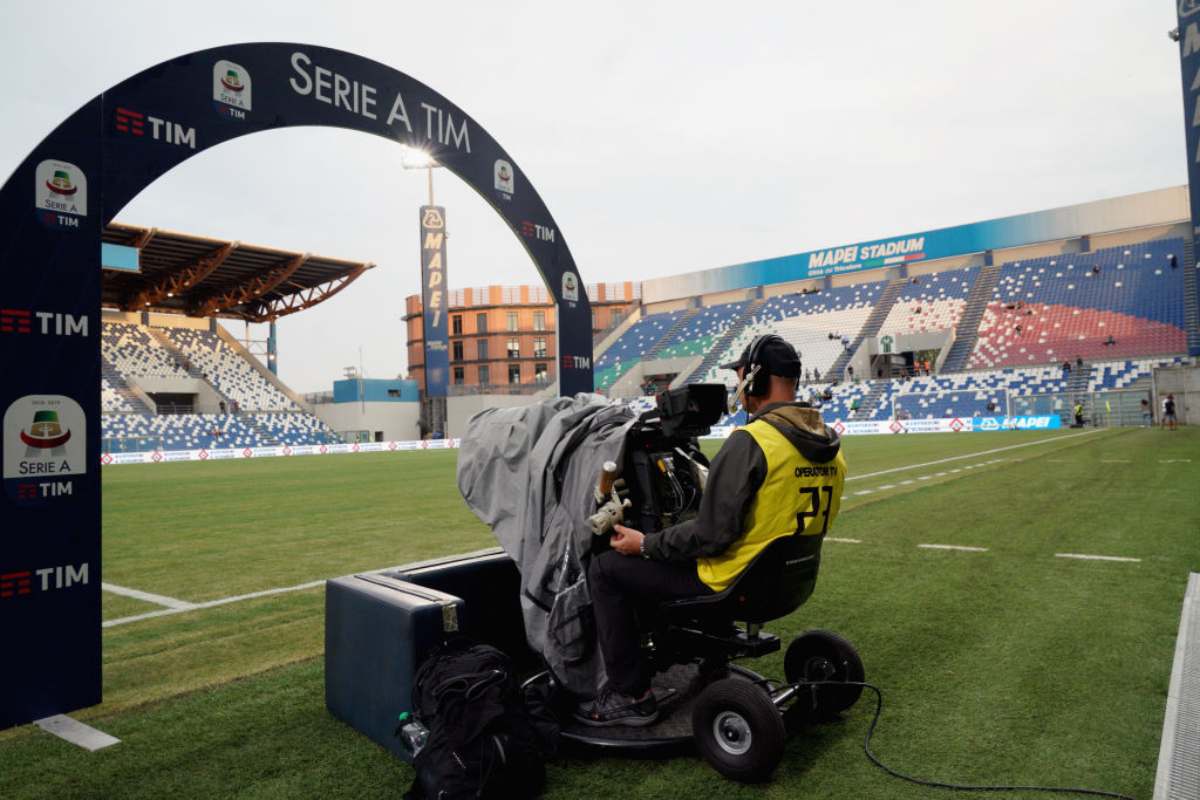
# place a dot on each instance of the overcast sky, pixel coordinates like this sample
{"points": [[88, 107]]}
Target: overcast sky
{"points": [[664, 137]]}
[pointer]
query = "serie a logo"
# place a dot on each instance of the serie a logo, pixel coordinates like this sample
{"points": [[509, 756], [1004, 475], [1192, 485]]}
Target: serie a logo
{"points": [[232, 89], [60, 193]]}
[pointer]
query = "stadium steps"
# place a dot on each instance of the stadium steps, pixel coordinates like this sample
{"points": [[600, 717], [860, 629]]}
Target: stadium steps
{"points": [[265, 437], [867, 407], [722, 344], [185, 363], [135, 399], [1080, 376], [883, 307], [967, 332], [669, 334], [1191, 300]]}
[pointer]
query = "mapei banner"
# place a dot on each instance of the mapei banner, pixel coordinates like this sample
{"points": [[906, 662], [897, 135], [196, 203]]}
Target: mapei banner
{"points": [[433, 300], [1132, 211], [1189, 66]]}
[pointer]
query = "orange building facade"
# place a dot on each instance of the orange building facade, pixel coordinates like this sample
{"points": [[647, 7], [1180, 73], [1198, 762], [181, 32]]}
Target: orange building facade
{"points": [[502, 337]]}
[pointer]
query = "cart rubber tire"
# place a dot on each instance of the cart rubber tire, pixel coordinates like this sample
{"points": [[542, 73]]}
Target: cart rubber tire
{"points": [[820, 655], [738, 730]]}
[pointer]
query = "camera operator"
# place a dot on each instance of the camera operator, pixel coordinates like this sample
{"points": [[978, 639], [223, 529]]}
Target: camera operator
{"points": [[782, 473]]}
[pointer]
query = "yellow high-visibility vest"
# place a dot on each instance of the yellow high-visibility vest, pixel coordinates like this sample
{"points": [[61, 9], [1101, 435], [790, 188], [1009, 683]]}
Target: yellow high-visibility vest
{"points": [[797, 495]]}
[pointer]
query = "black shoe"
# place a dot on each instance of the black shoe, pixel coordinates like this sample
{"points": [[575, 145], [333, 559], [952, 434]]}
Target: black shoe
{"points": [[613, 708]]}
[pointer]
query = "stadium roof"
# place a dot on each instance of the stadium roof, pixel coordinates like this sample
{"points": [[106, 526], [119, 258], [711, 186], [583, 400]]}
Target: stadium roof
{"points": [[201, 277]]}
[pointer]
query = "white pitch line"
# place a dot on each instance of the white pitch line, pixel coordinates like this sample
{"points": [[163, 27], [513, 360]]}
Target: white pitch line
{"points": [[1115, 461], [213, 603], [885, 487], [972, 455], [148, 597], [1085, 557], [843, 541], [864, 491], [963, 548], [112, 623]]}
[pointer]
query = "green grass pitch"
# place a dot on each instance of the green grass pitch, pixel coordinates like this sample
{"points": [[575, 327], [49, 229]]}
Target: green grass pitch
{"points": [[1009, 665]]}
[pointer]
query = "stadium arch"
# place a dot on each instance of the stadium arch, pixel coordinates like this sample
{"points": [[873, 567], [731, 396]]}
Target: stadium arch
{"points": [[82, 174]]}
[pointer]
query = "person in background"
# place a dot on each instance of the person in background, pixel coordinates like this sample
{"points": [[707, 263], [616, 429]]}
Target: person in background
{"points": [[1169, 413], [1147, 416], [1078, 414]]}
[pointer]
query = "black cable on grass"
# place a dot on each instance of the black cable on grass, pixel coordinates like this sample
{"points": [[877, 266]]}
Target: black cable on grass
{"points": [[961, 787]]}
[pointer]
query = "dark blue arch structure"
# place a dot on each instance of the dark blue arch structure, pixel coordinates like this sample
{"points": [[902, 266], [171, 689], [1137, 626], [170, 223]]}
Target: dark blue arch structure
{"points": [[52, 211]]}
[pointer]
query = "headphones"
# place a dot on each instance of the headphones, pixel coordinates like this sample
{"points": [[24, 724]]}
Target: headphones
{"points": [[756, 381]]}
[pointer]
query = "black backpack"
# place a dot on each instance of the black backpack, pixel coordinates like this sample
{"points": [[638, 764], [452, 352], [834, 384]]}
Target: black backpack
{"points": [[484, 741]]}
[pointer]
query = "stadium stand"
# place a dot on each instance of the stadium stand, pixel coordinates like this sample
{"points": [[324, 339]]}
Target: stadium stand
{"points": [[632, 346], [227, 371], [266, 415], [180, 431], [932, 302], [133, 352], [1123, 374], [292, 428], [699, 332], [815, 323], [111, 399], [1116, 302]]}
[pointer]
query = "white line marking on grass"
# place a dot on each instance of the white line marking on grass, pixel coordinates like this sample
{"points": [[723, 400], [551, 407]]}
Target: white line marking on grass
{"points": [[924, 477], [148, 597], [906, 483], [213, 603], [972, 455], [885, 487], [961, 547], [1168, 461], [1115, 461], [1085, 557], [864, 491], [843, 541]]}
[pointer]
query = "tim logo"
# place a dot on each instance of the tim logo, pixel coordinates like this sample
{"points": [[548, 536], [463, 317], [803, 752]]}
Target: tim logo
{"points": [[231, 89], [1188, 7], [133, 123], [531, 230], [576, 362], [20, 320], [60, 193], [505, 181], [49, 579], [15, 320]]}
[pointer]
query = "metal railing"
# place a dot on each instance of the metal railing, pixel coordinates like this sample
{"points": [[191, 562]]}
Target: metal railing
{"points": [[464, 390], [1106, 409]]}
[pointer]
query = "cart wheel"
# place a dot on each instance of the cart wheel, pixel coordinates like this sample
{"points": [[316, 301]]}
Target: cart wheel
{"points": [[823, 656], [738, 730]]}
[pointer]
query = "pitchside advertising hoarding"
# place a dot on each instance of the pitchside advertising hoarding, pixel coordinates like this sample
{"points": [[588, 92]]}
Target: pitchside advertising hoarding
{"points": [[52, 210], [433, 300], [951, 425]]}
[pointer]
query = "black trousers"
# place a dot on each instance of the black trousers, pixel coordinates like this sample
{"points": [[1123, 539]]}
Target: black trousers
{"points": [[619, 586]]}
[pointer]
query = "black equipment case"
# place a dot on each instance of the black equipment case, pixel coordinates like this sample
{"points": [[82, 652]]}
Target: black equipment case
{"points": [[380, 626]]}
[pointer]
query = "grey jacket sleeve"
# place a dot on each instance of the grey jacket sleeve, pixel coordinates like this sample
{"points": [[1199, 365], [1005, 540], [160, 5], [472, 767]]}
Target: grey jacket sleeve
{"points": [[737, 472]]}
